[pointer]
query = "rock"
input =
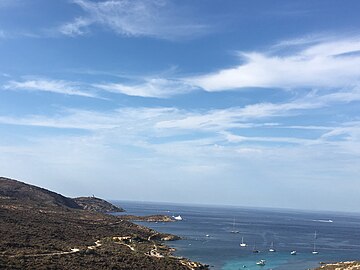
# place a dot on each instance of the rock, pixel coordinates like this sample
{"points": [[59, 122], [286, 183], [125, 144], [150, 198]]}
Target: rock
{"points": [[96, 205]]}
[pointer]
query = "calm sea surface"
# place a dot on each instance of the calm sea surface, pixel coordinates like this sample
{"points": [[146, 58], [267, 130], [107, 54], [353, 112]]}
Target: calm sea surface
{"points": [[207, 237]]}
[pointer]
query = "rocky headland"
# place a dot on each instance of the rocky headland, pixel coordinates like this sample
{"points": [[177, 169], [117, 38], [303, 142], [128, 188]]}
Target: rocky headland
{"points": [[340, 266], [152, 218], [97, 205], [41, 229]]}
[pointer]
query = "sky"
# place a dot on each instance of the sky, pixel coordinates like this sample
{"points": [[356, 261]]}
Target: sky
{"points": [[228, 102]]}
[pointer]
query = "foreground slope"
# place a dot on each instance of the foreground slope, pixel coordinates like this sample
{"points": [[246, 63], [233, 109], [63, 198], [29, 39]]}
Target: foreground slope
{"points": [[43, 230]]}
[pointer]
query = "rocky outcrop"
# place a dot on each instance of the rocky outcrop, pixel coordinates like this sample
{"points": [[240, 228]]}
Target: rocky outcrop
{"points": [[97, 205], [152, 218], [352, 265]]}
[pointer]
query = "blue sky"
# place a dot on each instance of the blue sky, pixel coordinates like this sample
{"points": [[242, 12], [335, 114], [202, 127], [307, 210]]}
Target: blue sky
{"points": [[252, 103]]}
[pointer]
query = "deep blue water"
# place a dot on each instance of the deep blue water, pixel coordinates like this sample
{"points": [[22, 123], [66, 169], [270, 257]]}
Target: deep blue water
{"points": [[289, 230]]}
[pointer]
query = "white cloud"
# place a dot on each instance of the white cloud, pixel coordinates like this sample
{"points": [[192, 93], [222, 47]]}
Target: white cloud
{"points": [[236, 117], [154, 18], [76, 28], [232, 138], [126, 119], [155, 87], [326, 64], [54, 86], [131, 143]]}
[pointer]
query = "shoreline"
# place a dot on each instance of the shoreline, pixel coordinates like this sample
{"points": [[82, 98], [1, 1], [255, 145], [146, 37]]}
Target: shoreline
{"points": [[347, 265], [41, 229]]}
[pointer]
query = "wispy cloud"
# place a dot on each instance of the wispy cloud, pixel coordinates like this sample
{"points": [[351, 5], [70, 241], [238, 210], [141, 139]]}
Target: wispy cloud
{"points": [[325, 64], [159, 18], [45, 85], [127, 119], [232, 138], [155, 87], [236, 117], [76, 28]]}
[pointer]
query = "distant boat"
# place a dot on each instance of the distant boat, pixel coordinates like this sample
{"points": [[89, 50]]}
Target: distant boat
{"points": [[255, 250], [233, 230], [178, 218], [293, 252], [314, 250], [242, 244], [261, 262], [324, 220], [272, 249]]}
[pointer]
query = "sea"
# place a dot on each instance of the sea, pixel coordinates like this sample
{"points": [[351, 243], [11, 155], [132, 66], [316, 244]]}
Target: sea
{"points": [[208, 236]]}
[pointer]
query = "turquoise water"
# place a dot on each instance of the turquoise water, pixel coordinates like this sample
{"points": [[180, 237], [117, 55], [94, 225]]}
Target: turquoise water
{"points": [[289, 230]]}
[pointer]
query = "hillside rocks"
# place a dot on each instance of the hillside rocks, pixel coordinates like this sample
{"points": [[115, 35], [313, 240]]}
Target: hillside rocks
{"points": [[96, 205]]}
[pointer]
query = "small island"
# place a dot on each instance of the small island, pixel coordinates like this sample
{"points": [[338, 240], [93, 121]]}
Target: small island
{"points": [[151, 218]]}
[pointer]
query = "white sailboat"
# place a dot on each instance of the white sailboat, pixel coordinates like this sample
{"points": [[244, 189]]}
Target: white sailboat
{"points": [[255, 250], [242, 244], [233, 230], [314, 250], [272, 249], [261, 262]]}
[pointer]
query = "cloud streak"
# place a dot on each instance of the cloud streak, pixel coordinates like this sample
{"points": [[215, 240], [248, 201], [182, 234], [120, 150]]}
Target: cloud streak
{"points": [[45, 85], [155, 87], [159, 19], [326, 64]]}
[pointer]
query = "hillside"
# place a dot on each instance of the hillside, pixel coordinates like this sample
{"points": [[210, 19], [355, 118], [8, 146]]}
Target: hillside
{"points": [[97, 205], [41, 229], [33, 195]]}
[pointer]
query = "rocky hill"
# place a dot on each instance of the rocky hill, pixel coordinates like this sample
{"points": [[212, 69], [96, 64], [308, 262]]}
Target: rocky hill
{"points": [[41, 229], [40, 197], [33, 195], [97, 205]]}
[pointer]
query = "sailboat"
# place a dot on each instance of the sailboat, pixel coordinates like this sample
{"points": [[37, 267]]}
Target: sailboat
{"points": [[272, 249], [242, 244], [314, 250], [254, 249], [233, 230]]}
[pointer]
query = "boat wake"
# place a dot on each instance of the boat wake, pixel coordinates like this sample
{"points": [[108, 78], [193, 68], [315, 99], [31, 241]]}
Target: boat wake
{"points": [[323, 220]]}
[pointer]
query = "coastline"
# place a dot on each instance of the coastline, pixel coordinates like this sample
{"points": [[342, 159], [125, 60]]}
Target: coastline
{"points": [[41, 229], [349, 265]]}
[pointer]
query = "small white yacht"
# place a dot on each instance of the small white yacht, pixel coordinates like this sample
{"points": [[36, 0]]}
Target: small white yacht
{"points": [[314, 250], [242, 244], [261, 262], [293, 252], [234, 230], [255, 250], [272, 249], [178, 218]]}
